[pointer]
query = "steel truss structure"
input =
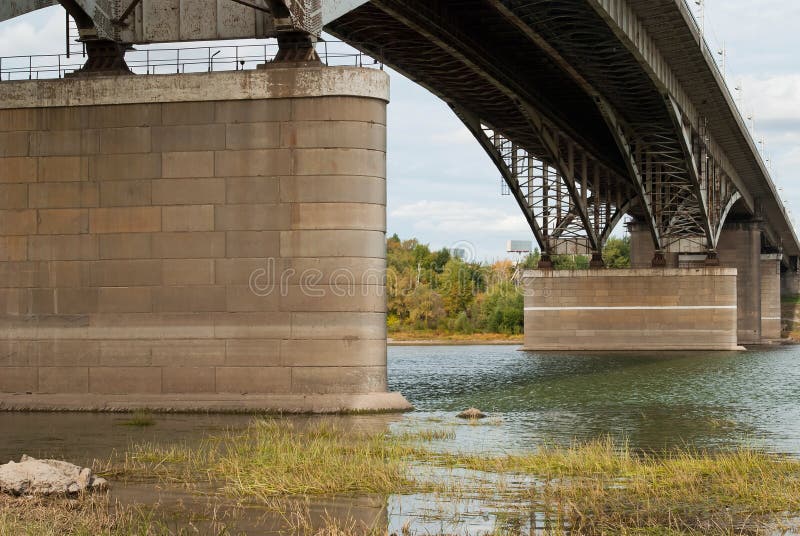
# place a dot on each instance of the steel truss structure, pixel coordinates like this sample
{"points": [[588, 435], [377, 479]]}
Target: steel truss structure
{"points": [[590, 109], [571, 201]]}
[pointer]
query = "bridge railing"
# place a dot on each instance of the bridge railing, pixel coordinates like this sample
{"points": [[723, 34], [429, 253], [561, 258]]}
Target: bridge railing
{"points": [[711, 54], [156, 60]]}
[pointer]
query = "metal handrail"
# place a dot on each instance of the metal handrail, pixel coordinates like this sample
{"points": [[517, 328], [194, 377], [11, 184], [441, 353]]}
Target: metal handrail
{"points": [[177, 60]]}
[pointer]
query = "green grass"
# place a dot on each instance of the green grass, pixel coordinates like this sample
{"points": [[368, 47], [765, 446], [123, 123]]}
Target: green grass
{"points": [[595, 488], [273, 457], [603, 488], [140, 418]]}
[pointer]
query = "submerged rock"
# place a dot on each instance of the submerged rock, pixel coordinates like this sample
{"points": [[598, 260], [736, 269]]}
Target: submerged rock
{"points": [[47, 477], [471, 413]]}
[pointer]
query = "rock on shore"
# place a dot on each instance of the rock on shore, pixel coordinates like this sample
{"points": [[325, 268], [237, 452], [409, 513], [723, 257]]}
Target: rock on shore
{"points": [[47, 477]]}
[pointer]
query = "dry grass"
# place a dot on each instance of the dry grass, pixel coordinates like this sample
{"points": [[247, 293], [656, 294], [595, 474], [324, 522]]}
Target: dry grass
{"points": [[89, 515], [276, 458], [139, 418], [595, 488], [603, 488], [94, 515]]}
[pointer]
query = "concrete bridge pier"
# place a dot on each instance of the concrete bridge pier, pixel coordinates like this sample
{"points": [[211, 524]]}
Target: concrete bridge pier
{"points": [[770, 296], [757, 281], [635, 309], [209, 241], [666, 301]]}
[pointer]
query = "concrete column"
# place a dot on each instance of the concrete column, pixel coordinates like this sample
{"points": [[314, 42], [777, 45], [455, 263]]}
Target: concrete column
{"points": [[740, 247], [642, 249], [636, 309], [771, 296], [203, 241]]}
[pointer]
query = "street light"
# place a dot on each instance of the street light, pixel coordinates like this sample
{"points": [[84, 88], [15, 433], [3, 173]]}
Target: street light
{"points": [[701, 14], [211, 61], [722, 53], [739, 95]]}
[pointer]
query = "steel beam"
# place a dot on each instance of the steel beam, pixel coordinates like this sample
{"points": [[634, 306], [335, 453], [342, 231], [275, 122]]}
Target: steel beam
{"points": [[14, 8], [692, 168], [620, 137], [566, 168], [474, 126]]}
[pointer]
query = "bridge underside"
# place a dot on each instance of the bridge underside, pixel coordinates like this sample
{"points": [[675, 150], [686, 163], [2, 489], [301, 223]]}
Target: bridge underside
{"points": [[591, 110]]}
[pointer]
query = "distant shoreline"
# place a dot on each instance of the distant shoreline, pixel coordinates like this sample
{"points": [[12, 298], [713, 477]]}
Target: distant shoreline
{"points": [[452, 342], [438, 339]]}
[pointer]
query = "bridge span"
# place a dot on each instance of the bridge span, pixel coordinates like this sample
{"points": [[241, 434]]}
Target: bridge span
{"points": [[143, 212]]}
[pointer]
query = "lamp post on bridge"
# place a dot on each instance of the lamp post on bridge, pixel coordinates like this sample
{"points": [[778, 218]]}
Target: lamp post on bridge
{"points": [[701, 15]]}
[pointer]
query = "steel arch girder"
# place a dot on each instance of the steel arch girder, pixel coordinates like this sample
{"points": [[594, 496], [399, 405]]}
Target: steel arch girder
{"points": [[623, 144], [14, 8], [473, 124], [566, 170], [615, 219], [724, 215], [691, 168]]}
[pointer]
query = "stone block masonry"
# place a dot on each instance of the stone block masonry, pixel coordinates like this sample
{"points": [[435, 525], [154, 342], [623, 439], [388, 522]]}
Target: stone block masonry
{"points": [[203, 241], [636, 309]]}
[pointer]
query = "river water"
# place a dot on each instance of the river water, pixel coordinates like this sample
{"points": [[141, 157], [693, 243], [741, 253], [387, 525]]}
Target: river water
{"points": [[653, 401], [699, 399]]}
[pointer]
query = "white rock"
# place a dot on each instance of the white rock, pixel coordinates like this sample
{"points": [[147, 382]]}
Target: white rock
{"points": [[46, 477]]}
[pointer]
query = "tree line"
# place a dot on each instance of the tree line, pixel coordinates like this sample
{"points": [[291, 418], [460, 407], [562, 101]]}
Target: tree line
{"points": [[434, 290]]}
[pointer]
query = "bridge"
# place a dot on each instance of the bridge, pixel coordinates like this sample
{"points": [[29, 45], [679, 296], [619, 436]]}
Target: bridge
{"points": [[592, 110]]}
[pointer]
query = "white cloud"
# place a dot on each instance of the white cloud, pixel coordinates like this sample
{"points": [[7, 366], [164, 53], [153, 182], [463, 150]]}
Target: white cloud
{"points": [[460, 217], [457, 136], [41, 32], [773, 97]]}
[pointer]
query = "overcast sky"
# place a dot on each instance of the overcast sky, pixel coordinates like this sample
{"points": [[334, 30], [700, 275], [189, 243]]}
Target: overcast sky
{"points": [[443, 190]]}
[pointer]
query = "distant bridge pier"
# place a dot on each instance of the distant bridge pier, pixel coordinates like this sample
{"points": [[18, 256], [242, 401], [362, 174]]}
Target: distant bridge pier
{"points": [[771, 296], [757, 280], [697, 300], [633, 309], [211, 241]]}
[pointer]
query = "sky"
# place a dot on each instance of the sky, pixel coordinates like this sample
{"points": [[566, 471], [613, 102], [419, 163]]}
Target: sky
{"points": [[443, 189]]}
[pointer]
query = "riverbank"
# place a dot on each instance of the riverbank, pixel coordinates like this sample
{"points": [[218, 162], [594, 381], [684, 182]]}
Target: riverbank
{"points": [[442, 338], [597, 487]]}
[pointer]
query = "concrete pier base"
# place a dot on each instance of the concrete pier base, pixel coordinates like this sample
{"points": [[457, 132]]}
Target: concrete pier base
{"points": [[636, 309], [771, 296], [199, 403], [205, 241]]}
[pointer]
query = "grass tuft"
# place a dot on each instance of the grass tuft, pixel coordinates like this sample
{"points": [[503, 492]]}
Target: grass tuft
{"points": [[140, 418]]}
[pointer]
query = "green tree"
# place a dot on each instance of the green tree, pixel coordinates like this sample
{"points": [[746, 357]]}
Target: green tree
{"points": [[570, 262], [425, 307], [503, 310], [457, 286], [617, 252]]}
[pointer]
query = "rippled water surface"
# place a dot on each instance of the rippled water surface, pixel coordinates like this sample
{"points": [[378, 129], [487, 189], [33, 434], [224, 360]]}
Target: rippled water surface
{"points": [[703, 399]]}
